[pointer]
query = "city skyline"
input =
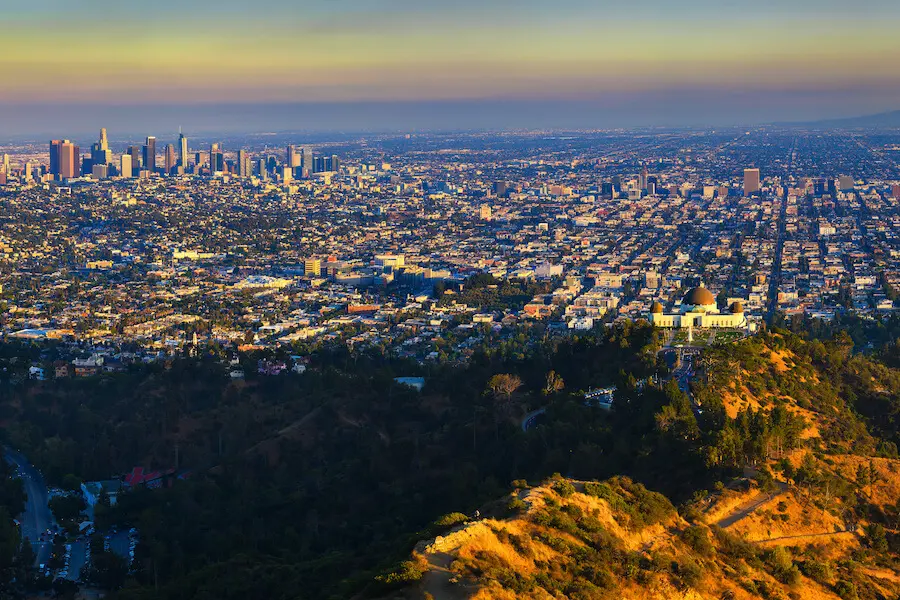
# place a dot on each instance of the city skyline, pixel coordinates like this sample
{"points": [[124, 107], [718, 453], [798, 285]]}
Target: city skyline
{"points": [[573, 63]]}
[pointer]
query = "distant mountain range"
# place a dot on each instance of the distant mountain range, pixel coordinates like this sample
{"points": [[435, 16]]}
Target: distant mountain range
{"points": [[889, 120]]}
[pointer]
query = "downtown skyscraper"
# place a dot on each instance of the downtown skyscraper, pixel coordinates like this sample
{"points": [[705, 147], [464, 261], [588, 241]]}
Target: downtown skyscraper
{"points": [[182, 150], [65, 159], [150, 154]]}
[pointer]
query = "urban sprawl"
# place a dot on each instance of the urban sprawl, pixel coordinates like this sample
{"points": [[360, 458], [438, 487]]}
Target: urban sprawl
{"points": [[425, 244]]}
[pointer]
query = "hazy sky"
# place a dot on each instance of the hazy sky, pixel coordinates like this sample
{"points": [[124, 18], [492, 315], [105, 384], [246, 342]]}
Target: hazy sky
{"points": [[643, 61]]}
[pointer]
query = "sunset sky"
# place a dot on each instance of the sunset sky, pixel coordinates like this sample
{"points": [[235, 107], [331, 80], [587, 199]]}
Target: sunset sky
{"points": [[651, 60]]}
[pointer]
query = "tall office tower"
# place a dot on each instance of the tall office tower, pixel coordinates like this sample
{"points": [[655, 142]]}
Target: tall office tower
{"points": [[182, 150], [125, 166], [642, 179], [100, 154], [150, 154], [293, 157], [76, 156], [6, 163], [216, 159], [335, 163], [306, 162], [501, 188], [26, 172], [69, 160], [751, 181], [244, 167], [54, 156], [261, 167], [318, 164], [170, 159], [895, 191], [136, 154], [2, 177], [287, 174]]}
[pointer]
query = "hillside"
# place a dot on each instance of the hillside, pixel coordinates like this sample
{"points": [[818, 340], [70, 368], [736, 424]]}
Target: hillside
{"points": [[617, 540], [811, 508]]}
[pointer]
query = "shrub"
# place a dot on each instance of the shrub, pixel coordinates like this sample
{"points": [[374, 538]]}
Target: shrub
{"points": [[818, 571], [846, 590], [876, 538], [516, 505], [563, 487], [450, 520], [689, 572], [734, 546], [406, 573], [696, 538], [782, 565]]}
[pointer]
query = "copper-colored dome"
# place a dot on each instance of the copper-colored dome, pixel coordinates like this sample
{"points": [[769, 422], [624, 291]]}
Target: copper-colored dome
{"points": [[656, 308], [736, 308], [699, 297]]}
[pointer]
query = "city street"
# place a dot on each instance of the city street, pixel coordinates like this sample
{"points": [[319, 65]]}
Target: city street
{"points": [[37, 517]]}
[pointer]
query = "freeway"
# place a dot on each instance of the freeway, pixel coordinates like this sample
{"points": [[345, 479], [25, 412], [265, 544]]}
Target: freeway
{"points": [[37, 517]]}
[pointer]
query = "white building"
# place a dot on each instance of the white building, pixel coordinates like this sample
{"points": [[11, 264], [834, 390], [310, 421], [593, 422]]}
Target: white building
{"points": [[698, 309]]}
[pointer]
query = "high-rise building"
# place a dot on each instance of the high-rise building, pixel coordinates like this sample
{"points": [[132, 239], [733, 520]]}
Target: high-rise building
{"points": [[69, 160], [136, 154], [100, 154], [751, 181], [125, 166], [100, 171], [293, 157], [216, 159], [170, 159], [642, 179], [182, 150], [847, 183], [245, 167], [150, 154], [485, 212], [54, 156], [6, 163], [334, 163], [306, 162], [501, 188], [895, 191]]}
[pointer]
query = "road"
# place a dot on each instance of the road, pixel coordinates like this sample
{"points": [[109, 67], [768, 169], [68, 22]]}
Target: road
{"points": [[775, 282], [531, 418], [748, 507], [37, 517]]}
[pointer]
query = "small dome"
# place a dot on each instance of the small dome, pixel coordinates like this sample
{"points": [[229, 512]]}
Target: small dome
{"points": [[736, 308], [656, 308], [699, 296]]}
